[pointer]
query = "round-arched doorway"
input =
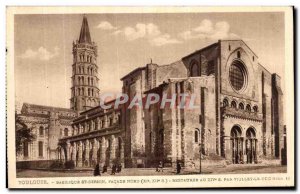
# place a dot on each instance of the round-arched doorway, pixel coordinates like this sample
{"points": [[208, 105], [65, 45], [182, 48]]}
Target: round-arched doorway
{"points": [[236, 145], [251, 142]]}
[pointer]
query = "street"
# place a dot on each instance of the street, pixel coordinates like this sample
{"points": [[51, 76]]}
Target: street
{"points": [[230, 169]]}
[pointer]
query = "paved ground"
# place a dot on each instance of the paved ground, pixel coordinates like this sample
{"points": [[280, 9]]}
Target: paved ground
{"points": [[230, 169]]}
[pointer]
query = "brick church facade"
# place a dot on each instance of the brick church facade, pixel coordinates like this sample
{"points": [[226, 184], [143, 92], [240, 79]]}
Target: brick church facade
{"points": [[239, 119]]}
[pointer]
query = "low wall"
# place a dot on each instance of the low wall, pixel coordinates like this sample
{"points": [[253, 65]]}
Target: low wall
{"points": [[34, 164]]}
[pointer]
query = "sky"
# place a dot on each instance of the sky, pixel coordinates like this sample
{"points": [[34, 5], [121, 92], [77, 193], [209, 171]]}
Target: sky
{"points": [[43, 46]]}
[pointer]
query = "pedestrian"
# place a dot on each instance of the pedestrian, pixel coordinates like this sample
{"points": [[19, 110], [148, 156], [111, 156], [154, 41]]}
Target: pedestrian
{"points": [[160, 166], [97, 170], [104, 168], [113, 169], [119, 168], [178, 167]]}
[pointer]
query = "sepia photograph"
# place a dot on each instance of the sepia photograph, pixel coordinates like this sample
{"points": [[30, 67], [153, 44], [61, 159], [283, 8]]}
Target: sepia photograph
{"points": [[150, 97]]}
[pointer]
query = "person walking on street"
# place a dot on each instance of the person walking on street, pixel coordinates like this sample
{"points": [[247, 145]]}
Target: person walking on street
{"points": [[97, 170], [104, 168], [161, 167], [119, 168], [178, 167], [113, 169]]}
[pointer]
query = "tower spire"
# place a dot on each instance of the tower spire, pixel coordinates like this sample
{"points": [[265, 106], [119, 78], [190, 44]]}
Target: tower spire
{"points": [[85, 36]]}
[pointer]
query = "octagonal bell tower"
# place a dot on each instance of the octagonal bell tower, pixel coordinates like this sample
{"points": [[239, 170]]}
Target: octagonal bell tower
{"points": [[84, 90]]}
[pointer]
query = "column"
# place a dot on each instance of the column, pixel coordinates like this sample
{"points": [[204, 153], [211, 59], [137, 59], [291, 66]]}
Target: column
{"points": [[73, 156], [122, 154], [112, 149], [87, 151], [79, 161], [98, 123], [62, 153], [75, 130], [105, 121], [79, 129], [68, 151], [95, 149], [103, 151]]}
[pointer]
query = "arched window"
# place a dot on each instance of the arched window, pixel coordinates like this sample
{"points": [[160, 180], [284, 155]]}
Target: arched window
{"points": [[89, 91], [194, 69], [235, 132], [233, 104], [238, 54], [91, 71], [92, 81], [250, 133], [162, 136], [41, 131], [241, 106], [82, 80], [66, 132], [78, 91], [196, 136], [255, 108], [248, 108], [225, 102], [88, 81], [111, 121], [41, 148], [92, 92], [119, 119]]}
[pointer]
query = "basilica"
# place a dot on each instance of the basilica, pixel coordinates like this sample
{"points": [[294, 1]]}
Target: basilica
{"points": [[239, 119]]}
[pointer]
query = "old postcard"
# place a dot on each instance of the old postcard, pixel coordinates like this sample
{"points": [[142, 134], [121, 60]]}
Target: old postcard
{"points": [[150, 97]]}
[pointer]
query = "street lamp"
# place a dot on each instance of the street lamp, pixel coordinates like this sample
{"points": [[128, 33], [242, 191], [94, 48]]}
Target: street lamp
{"points": [[200, 148]]}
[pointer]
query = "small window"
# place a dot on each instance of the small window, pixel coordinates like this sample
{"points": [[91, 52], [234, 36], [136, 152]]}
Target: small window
{"points": [[41, 149], [225, 102], [194, 69], [248, 108], [41, 131], [111, 121], [241, 106], [233, 104], [255, 109], [66, 132], [119, 119], [238, 54], [229, 47], [196, 136]]}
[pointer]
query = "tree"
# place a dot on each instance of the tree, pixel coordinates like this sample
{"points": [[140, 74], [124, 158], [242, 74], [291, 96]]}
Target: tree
{"points": [[23, 134]]}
